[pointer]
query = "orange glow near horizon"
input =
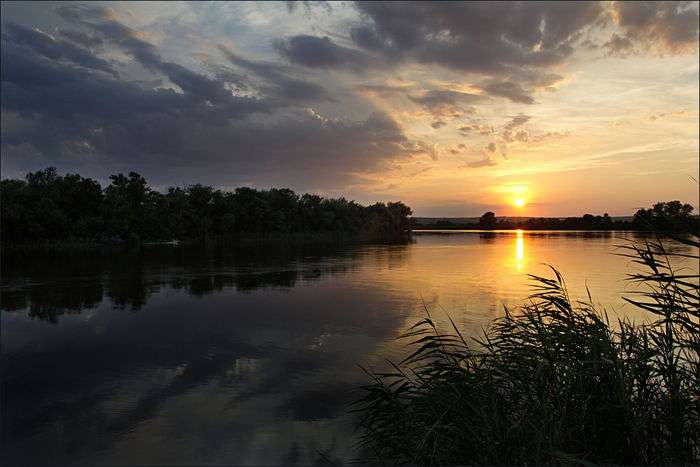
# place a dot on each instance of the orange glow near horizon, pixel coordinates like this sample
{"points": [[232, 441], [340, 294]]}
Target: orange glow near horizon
{"points": [[519, 250], [516, 194]]}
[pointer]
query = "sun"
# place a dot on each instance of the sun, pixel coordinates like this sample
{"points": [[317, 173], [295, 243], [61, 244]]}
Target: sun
{"points": [[519, 202]]}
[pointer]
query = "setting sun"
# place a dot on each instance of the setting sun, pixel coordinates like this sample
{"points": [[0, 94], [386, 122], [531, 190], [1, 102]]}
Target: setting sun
{"points": [[519, 202]]}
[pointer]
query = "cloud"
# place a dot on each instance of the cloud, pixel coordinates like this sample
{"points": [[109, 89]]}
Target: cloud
{"points": [[512, 44], [277, 79], [321, 52], [82, 117], [508, 89], [478, 128], [519, 135], [485, 162], [55, 49], [549, 135], [475, 36], [460, 147], [658, 116], [81, 38], [517, 121], [669, 27], [510, 134], [234, 94], [618, 45], [442, 103]]}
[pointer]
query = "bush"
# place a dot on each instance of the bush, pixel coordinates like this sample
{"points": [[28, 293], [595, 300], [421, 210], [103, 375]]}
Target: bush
{"points": [[550, 382]]}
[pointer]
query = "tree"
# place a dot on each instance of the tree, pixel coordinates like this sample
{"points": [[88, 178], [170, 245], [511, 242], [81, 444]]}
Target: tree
{"points": [[50, 207], [671, 216], [488, 220], [124, 206]]}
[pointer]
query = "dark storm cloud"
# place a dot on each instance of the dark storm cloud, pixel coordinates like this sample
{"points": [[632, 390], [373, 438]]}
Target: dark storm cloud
{"points": [[515, 44], [277, 78], [516, 41], [33, 84], [669, 26], [86, 40], [321, 52], [481, 37], [279, 84], [55, 49], [67, 112], [123, 37], [366, 38]]}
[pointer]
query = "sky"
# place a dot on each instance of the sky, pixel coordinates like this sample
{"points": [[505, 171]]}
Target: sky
{"points": [[521, 108]]}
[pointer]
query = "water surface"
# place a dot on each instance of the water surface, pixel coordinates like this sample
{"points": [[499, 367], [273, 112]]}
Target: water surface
{"points": [[246, 355]]}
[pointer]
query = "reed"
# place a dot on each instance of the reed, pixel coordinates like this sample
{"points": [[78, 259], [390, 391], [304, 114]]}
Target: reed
{"points": [[553, 381]]}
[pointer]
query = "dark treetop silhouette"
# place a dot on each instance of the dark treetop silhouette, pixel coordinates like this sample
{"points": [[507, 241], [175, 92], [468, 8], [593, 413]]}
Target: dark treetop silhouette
{"points": [[48, 207], [671, 216]]}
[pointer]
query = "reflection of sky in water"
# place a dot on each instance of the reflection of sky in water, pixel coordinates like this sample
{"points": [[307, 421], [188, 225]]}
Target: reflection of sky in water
{"points": [[243, 356], [519, 250]]}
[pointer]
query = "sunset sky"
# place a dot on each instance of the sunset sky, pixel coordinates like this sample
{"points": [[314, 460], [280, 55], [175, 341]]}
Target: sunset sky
{"points": [[453, 108]]}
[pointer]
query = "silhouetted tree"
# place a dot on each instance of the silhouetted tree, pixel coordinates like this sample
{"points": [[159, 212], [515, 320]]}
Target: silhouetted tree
{"points": [[49, 207], [125, 206], [488, 220], [671, 216]]}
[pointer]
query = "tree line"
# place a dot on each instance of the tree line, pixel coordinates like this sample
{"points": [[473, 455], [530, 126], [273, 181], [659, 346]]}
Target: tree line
{"points": [[48, 207], [671, 216]]}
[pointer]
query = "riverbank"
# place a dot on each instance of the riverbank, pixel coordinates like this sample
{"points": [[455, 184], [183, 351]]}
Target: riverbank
{"points": [[252, 239]]}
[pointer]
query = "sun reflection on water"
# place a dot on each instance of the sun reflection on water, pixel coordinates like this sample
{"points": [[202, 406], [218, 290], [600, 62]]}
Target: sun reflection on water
{"points": [[519, 250]]}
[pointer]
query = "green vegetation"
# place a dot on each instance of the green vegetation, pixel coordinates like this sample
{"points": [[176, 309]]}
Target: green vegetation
{"points": [[69, 209], [551, 382]]}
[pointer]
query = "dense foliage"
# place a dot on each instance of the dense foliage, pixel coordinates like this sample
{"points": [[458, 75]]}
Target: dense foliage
{"points": [[672, 216], [50, 207], [552, 382]]}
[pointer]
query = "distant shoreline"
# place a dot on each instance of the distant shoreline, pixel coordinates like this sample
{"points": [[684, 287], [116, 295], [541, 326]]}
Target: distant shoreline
{"points": [[459, 230]]}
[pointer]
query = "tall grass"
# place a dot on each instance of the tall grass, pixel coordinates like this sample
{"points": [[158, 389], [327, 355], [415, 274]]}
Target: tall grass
{"points": [[552, 381]]}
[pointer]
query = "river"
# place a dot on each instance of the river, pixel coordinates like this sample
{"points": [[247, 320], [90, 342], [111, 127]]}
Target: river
{"points": [[247, 355]]}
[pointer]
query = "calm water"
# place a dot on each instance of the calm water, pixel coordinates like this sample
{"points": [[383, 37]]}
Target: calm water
{"points": [[245, 356]]}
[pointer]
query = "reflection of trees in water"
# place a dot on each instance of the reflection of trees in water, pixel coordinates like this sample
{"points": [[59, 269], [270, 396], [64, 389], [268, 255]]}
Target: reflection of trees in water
{"points": [[49, 301], [259, 362], [487, 237], [51, 286]]}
